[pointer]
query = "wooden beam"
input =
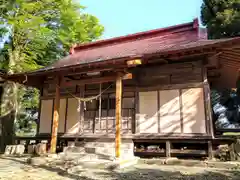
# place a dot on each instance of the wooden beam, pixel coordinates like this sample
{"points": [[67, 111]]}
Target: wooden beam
{"points": [[55, 117], [188, 151], [118, 115], [95, 80]]}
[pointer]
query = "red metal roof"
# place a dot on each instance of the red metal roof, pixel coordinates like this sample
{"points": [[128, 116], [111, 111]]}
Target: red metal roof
{"points": [[160, 41], [131, 45], [140, 35]]}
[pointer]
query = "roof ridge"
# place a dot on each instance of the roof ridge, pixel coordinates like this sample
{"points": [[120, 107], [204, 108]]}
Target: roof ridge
{"points": [[171, 29]]}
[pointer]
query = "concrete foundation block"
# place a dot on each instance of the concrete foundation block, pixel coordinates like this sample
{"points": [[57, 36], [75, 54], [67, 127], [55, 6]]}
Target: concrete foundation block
{"points": [[31, 149], [41, 148], [108, 148]]}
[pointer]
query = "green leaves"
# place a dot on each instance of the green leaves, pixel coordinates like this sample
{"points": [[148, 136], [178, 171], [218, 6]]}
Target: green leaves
{"points": [[39, 32], [222, 17], [37, 26]]}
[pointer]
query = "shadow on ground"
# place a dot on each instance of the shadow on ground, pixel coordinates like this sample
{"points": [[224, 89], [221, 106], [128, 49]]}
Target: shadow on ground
{"points": [[143, 172]]}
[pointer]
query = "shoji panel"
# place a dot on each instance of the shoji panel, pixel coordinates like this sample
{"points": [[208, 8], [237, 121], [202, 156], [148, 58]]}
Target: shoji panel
{"points": [[147, 117], [62, 115], [193, 111], [46, 116], [170, 121], [72, 116]]}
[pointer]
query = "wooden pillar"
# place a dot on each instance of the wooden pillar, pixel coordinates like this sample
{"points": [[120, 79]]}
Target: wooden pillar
{"points": [[81, 110], [118, 115], [1, 122], [233, 156], [168, 149], [208, 107], [100, 105], [210, 150], [55, 117], [39, 110]]}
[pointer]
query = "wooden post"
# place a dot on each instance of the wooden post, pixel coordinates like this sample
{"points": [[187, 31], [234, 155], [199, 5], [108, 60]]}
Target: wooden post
{"points": [[208, 107], [55, 117], [210, 150], [168, 149], [118, 115], [232, 152], [81, 110], [100, 105]]}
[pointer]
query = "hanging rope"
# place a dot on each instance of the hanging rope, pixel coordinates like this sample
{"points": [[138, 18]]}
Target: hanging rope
{"points": [[88, 98]]}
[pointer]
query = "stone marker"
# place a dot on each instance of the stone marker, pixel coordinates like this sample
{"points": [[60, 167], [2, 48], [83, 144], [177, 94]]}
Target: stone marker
{"points": [[14, 149], [8, 150], [20, 149]]}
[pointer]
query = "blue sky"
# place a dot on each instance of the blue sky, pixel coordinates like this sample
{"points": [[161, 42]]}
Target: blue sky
{"points": [[121, 17]]}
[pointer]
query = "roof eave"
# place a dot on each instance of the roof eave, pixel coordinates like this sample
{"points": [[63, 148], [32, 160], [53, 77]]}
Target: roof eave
{"points": [[121, 61]]}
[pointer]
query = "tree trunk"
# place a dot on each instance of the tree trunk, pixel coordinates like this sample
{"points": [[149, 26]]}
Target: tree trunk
{"points": [[9, 103]]}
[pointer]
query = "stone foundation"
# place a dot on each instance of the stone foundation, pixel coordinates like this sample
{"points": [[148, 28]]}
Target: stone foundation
{"points": [[103, 147]]}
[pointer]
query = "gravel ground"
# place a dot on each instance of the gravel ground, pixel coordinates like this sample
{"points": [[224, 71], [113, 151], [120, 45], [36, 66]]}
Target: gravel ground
{"points": [[16, 169]]}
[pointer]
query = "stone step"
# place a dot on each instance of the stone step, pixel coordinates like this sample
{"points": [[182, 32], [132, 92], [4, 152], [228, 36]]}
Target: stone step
{"points": [[100, 152], [72, 156]]}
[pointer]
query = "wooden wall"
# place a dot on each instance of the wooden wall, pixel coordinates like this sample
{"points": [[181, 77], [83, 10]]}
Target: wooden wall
{"points": [[159, 99], [169, 75], [71, 123], [172, 111], [171, 99]]}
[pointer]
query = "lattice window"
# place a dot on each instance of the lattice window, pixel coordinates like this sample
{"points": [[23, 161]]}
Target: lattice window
{"points": [[105, 121]]}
